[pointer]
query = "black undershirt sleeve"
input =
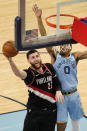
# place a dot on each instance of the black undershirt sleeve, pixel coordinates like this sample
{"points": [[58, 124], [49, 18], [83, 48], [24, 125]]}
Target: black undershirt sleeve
{"points": [[55, 79]]}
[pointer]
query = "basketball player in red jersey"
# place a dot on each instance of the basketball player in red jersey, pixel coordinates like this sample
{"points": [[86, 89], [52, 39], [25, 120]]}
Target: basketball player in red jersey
{"points": [[44, 90]]}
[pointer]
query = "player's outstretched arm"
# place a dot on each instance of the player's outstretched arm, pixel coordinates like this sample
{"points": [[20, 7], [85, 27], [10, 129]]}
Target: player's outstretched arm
{"points": [[16, 71], [38, 14], [80, 55]]}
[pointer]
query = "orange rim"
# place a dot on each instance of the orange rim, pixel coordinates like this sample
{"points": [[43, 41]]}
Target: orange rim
{"points": [[61, 26]]}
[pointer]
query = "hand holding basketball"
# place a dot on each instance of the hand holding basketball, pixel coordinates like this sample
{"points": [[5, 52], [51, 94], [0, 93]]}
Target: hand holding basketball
{"points": [[9, 49]]}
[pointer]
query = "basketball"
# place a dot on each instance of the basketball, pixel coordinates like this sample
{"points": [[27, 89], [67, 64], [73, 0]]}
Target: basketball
{"points": [[9, 49]]}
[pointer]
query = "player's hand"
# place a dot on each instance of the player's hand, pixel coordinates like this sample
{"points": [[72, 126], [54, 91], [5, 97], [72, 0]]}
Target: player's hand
{"points": [[59, 97], [37, 10]]}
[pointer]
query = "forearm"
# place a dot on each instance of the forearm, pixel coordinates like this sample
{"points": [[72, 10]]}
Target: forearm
{"points": [[15, 69], [43, 31], [41, 26]]}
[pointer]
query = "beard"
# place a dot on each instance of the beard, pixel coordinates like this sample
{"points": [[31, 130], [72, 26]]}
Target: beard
{"points": [[63, 54], [34, 65]]}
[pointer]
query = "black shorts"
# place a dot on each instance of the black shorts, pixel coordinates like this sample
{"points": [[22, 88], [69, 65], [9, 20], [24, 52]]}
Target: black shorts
{"points": [[40, 120]]}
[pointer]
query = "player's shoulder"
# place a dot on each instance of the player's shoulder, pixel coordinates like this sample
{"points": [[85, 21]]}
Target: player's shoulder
{"points": [[49, 65], [30, 75], [28, 70], [75, 54]]}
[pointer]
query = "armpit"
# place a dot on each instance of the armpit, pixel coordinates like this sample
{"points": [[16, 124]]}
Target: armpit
{"points": [[76, 57]]}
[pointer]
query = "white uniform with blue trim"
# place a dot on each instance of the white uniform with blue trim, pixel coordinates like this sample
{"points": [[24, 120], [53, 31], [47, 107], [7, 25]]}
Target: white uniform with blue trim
{"points": [[66, 70]]}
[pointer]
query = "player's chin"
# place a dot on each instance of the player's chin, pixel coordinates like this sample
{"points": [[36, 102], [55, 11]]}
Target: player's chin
{"points": [[65, 52], [37, 66]]}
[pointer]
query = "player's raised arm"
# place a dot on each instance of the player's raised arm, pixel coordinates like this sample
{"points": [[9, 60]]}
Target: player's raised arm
{"points": [[38, 14], [16, 70]]}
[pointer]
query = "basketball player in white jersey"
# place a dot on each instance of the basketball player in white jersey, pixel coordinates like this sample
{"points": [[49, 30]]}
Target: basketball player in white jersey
{"points": [[65, 64]]}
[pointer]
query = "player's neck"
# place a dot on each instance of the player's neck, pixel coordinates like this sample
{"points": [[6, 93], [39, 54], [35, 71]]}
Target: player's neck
{"points": [[40, 70], [65, 55]]}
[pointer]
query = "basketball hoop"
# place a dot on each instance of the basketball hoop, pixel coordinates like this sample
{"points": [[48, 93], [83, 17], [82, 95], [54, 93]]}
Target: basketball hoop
{"points": [[61, 26]]}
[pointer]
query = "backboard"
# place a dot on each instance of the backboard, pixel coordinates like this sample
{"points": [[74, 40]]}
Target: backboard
{"points": [[60, 36]]}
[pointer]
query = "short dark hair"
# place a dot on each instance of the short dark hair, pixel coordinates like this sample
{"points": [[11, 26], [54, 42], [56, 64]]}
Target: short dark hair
{"points": [[30, 52]]}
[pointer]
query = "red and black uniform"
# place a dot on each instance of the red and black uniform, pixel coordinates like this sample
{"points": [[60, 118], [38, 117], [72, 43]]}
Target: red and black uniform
{"points": [[41, 106]]}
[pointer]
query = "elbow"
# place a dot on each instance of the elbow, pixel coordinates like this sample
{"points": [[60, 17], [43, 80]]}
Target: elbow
{"points": [[18, 74]]}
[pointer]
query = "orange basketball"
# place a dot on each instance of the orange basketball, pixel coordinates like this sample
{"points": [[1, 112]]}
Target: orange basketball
{"points": [[9, 49]]}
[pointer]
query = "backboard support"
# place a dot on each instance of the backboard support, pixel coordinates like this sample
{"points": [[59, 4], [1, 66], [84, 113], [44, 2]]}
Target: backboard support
{"points": [[40, 42]]}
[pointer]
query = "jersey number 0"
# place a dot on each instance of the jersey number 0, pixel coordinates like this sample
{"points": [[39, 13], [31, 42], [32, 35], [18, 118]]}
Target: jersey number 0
{"points": [[67, 70]]}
